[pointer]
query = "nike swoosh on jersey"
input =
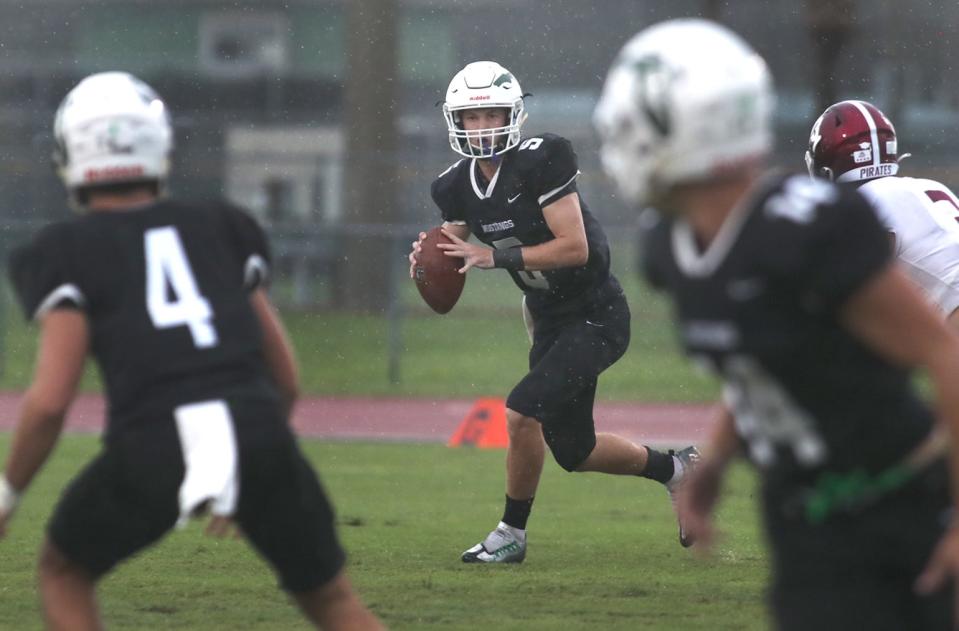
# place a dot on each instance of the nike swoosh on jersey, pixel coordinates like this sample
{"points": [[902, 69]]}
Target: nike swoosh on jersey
{"points": [[510, 200]]}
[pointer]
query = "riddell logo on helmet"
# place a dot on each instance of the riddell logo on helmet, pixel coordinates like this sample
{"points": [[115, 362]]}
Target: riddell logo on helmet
{"points": [[480, 98], [113, 173]]}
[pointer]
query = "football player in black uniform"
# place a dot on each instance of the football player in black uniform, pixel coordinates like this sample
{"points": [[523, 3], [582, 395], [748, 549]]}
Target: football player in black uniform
{"points": [[169, 298], [787, 289], [518, 195]]}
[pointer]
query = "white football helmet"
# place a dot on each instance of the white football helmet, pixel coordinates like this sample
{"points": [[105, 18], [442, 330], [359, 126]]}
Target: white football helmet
{"points": [[685, 100], [484, 84], [111, 128]]}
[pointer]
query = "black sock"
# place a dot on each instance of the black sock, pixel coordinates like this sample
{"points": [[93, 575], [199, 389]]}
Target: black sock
{"points": [[659, 466], [517, 512]]}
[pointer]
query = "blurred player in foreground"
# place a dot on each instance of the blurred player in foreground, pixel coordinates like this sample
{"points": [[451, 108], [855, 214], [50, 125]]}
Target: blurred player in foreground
{"points": [[855, 145], [518, 196], [787, 289], [200, 378]]}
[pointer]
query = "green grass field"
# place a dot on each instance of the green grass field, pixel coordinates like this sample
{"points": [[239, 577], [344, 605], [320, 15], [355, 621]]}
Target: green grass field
{"points": [[603, 553]]}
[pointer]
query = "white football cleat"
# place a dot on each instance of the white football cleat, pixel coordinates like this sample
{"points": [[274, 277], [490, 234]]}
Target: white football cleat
{"points": [[500, 546], [688, 458]]}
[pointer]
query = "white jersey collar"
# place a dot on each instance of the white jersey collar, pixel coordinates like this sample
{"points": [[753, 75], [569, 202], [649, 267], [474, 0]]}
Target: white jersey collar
{"points": [[492, 183], [695, 263]]}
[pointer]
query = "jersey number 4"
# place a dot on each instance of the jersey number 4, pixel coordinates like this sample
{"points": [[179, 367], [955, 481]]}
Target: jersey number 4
{"points": [[172, 296]]}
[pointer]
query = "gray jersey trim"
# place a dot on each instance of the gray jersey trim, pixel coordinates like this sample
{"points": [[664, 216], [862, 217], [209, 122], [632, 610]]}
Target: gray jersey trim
{"points": [[67, 291]]}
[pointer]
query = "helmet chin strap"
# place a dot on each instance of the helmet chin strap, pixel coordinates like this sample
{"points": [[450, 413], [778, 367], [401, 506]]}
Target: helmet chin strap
{"points": [[487, 144], [496, 145]]}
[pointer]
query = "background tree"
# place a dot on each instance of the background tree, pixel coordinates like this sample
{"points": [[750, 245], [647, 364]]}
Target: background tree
{"points": [[370, 108], [831, 24]]}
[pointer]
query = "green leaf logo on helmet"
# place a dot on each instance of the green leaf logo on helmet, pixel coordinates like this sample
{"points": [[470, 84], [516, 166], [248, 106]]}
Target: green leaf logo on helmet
{"points": [[505, 78], [654, 78]]}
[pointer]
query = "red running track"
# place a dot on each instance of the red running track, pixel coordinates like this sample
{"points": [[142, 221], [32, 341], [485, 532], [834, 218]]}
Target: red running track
{"points": [[425, 420]]}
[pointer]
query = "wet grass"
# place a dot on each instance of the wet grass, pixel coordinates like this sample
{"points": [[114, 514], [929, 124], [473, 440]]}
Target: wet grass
{"points": [[602, 555]]}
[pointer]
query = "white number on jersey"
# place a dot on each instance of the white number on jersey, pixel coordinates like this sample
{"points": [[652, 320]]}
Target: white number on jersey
{"points": [[766, 415], [799, 199], [533, 280], [167, 267], [945, 209], [532, 144]]}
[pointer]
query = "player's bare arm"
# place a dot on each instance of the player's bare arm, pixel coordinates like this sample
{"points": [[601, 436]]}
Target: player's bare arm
{"points": [[458, 230], [569, 248], [895, 320], [277, 348], [908, 331], [905, 330], [64, 341], [699, 496]]}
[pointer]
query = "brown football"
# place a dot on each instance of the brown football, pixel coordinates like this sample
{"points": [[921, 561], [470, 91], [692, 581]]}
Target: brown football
{"points": [[435, 273]]}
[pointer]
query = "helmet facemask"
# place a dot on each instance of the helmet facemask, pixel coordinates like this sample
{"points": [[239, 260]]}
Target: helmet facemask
{"points": [[625, 153], [484, 143]]}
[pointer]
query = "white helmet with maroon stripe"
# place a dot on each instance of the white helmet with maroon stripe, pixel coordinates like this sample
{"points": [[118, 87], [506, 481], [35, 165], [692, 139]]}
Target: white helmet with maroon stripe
{"points": [[112, 128], [852, 141]]}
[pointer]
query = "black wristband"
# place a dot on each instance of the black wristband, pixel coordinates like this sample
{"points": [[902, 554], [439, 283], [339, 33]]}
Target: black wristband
{"points": [[510, 258]]}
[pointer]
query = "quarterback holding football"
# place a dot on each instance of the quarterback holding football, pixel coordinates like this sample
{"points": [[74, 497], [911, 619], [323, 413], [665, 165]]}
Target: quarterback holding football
{"points": [[517, 195]]}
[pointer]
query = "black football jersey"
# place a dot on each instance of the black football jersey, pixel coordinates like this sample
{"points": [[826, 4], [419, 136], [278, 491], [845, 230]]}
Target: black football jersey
{"points": [[166, 292], [760, 306], [508, 212]]}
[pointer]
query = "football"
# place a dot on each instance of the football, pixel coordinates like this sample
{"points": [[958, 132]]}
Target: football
{"points": [[435, 273]]}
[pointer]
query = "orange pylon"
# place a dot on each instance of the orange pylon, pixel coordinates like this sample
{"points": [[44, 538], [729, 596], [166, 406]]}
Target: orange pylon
{"points": [[483, 426]]}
